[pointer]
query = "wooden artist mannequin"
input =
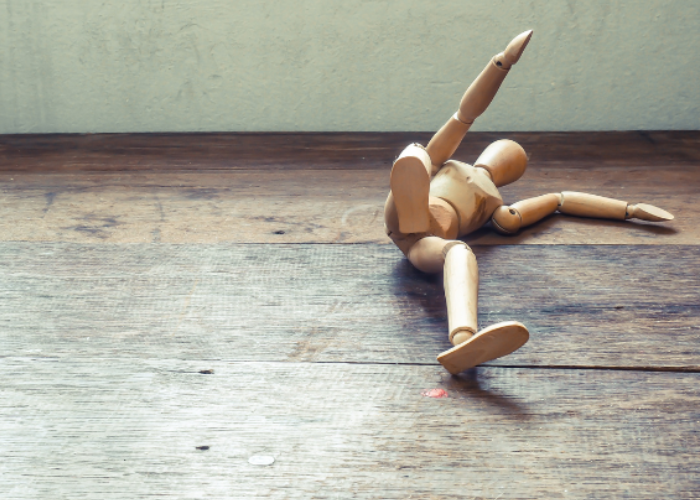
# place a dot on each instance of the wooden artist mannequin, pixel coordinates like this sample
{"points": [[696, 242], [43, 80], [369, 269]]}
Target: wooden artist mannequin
{"points": [[435, 200]]}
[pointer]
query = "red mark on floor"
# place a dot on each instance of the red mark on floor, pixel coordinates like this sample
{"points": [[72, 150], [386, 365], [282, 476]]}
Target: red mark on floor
{"points": [[435, 393]]}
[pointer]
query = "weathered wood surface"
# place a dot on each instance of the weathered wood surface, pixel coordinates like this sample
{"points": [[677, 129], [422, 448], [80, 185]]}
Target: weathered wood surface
{"points": [[592, 306], [122, 429], [314, 206], [121, 152], [320, 352]]}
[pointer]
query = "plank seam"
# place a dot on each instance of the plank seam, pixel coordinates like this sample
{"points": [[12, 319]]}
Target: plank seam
{"points": [[690, 370]]}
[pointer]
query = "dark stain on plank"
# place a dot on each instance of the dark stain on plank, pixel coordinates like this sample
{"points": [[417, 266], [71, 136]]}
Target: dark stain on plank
{"points": [[50, 197]]}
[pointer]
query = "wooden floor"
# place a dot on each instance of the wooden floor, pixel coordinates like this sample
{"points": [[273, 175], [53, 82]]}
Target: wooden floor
{"points": [[222, 316]]}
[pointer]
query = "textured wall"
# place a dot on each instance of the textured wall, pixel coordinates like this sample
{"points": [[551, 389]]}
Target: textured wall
{"points": [[375, 65]]}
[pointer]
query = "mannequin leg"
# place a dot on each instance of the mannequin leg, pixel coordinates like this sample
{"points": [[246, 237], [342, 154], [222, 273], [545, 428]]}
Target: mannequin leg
{"points": [[461, 283], [472, 347], [410, 187], [461, 290]]}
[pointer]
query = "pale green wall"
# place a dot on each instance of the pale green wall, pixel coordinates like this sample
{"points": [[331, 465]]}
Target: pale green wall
{"points": [[343, 65]]}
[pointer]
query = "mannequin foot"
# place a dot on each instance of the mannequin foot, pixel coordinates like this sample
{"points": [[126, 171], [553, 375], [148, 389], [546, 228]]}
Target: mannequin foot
{"points": [[410, 185], [488, 344]]}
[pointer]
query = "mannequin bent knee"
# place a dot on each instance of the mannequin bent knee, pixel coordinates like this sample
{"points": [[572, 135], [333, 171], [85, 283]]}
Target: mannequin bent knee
{"points": [[428, 253]]}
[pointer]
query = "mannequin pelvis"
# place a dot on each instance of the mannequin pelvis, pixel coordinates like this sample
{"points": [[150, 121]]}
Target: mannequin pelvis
{"points": [[461, 199], [470, 191], [458, 200]]}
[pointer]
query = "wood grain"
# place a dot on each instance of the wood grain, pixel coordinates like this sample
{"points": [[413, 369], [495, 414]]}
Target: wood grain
{"points": [[121, 429], [313, 206], [173, 305], [592, 306], [345, 151]]}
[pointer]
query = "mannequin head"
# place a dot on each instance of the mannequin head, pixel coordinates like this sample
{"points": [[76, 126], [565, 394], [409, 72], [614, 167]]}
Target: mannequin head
{"points": [[504, 160]]}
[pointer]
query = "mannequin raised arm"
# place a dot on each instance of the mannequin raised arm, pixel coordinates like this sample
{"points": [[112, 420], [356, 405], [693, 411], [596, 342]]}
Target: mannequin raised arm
{"points": [[510, 219], [475, 101]]}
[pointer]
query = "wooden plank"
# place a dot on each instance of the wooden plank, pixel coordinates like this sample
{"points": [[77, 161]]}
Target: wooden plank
{"points": [[110, 429], [279, 151], [102, 343], [312, 206], [586, 306]]}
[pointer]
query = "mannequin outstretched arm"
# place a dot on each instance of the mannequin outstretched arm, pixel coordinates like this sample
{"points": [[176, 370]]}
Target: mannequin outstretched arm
{"points": [[475, 101], [510, 219]]}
